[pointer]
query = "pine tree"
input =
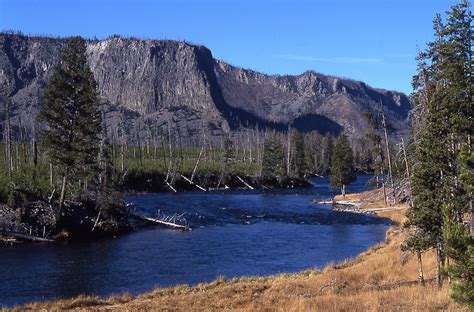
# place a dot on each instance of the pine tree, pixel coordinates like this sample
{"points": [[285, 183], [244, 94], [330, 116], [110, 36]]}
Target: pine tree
{"points": [[229, 151], [73, 121], [298, 161], [327, 147], [443, 101], [459, 247], [228, 157], [376, 151], [273, 163], [342, 165], [105, 181]]}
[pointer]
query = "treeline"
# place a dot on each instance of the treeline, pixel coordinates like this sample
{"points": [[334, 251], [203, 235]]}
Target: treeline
{"points": [[441, 216], [29, 165]]}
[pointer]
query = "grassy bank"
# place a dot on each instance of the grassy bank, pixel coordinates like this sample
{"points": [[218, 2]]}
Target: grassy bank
{"points": [[377, 280]]}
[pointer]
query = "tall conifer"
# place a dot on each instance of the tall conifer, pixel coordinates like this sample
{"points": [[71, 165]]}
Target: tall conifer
{"points": [[443, 100], [342, 165], [273, 163], [298, 161], [71, 116]]}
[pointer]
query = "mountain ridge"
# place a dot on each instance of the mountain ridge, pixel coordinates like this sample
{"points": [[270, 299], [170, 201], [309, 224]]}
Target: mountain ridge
{"points": [[159, 84]]}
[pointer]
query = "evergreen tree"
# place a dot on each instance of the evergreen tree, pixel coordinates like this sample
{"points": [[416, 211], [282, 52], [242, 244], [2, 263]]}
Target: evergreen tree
{"points": [[228, 157], [327, 147], [365, 155], [376, 151], [459, 247], [443, 101], [342, 165], [298, 161], [229, 152], [273, 163], [312, 152], [105, 181], [73, 121]]}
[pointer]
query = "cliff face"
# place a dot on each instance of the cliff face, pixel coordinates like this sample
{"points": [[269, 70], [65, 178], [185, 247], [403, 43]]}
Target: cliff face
{"points": [[311, 100], [150, 87]]}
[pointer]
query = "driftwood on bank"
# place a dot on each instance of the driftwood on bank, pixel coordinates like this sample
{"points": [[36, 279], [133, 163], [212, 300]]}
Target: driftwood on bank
{"points": [[398, 284], [26, 237], [219, 189], [168, 223], [192, 183], [245, 183], [337, 202], [345, 206], [170, 186], [353, 209]]}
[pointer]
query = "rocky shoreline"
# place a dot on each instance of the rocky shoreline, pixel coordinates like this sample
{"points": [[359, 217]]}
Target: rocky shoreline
{"points": [[38, 221], [349, 206]]}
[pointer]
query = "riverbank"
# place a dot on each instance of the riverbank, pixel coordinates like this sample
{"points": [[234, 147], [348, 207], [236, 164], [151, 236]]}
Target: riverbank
{"points": [[37, 221], [158, 182], [383, 278]]}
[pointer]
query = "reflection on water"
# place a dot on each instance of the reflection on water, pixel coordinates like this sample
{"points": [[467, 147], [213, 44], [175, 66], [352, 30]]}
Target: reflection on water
{"points": [[235, 233]]}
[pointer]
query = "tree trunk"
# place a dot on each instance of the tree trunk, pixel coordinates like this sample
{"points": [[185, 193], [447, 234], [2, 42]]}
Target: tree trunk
{"points": [[197, 163], [421, 279], [63, 192], [289, 152], [440, 262], [383, 187], [51, 182], [407, 168], [35, 153], [122, 158], [471, 206], [390, 172], [9, 141], [472, 217]]}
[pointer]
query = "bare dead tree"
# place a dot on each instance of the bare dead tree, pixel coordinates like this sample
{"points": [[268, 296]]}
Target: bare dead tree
{"points": [[387, 149], [8, 139]]}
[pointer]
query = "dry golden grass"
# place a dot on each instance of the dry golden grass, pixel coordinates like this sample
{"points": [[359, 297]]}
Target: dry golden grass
{"points": [[354, 285]]}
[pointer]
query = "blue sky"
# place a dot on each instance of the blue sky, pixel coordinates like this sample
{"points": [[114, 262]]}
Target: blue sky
{"points": [[370, 40]]}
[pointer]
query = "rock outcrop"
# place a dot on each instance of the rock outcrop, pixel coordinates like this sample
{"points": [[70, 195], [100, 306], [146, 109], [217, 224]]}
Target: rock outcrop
{"points": [[152, 87]]}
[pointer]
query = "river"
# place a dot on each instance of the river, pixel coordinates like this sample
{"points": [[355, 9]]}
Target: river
{"points": [[235, 233]]}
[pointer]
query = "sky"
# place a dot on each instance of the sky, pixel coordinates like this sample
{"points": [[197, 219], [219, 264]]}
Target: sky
{"points": [[370, 40]]}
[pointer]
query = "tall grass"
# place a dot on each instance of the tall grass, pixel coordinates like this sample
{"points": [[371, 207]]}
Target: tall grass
{"points": [[136, 160]]}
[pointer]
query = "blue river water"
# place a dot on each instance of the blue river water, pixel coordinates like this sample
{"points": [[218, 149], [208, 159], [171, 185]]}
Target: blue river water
{"points": [[235, 233]]}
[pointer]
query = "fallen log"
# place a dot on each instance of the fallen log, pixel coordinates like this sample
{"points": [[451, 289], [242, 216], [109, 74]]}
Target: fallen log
{"points": [[323, 202], [160, 222], [398, 284], [192, 183], [219, 188], [337, 202], [26, 237], [170, 186], [8, 240], [353, 210], [245, 183]]}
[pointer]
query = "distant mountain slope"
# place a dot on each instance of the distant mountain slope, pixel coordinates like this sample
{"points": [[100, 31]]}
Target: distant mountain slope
{"points": [[150, 85], [310, 100]]}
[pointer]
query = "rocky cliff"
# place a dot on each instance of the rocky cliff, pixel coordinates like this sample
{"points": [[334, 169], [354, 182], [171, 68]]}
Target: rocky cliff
{"points": [[148, 87]]}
